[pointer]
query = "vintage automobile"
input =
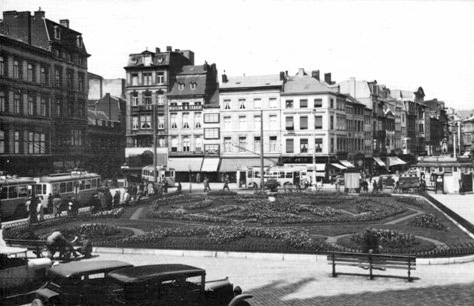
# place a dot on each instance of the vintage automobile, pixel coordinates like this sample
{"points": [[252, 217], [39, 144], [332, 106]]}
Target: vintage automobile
{"points": [[77, 283], [119, 283], [172, 284], [18, 273]]}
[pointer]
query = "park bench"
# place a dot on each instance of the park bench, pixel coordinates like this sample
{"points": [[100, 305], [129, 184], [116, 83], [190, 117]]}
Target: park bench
{"points": [[36, 246], [372, 261]]}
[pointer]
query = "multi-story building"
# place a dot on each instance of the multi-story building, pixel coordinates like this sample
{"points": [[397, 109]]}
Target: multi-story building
{"points": [[193, 134], [355, 131], [468, 139], [245, 103], [438, 126], [313, 121], [43, 94], [149, 78]]}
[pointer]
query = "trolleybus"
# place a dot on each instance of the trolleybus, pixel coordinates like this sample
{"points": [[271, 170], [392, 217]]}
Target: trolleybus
{"points": [[14, 192], [163, 174], [293, 175]]}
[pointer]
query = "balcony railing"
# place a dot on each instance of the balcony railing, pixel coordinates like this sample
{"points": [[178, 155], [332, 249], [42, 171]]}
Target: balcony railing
{"points": [[147, 107]]}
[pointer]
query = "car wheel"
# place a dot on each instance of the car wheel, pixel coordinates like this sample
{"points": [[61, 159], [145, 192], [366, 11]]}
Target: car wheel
{"points": [[37, 302]]}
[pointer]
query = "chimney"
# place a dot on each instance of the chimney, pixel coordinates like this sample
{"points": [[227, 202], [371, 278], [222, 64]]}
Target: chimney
{"points": [[224, 78], [282, 75], [169, 49], [327, 78], [157, 50], [301, 71], [39, 13], [315, 74], [64, 22]]}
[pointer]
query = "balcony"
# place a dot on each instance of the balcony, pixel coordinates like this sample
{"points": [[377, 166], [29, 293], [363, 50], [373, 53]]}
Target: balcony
{"points": [[148, 107], [185, 108]]}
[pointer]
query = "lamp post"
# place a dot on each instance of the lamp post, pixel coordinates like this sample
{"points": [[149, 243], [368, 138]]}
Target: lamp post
{"points": [[154, 143], [314, 149], [262, 179]]}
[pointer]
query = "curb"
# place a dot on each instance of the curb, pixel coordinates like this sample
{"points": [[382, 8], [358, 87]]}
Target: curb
{"points": [[261, 256]]}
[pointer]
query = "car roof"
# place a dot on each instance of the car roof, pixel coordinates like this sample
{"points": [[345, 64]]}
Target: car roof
{"points": [[143, 273], [87, 267]]}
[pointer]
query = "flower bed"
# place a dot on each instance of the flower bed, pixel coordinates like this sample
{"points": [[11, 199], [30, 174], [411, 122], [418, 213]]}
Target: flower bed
{"points": [[388, 238], [113, 213], [428, 221]]}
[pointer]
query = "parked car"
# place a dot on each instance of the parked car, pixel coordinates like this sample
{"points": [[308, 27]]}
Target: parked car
{"points": [[172, 284], [77, 283], [19, 274]]}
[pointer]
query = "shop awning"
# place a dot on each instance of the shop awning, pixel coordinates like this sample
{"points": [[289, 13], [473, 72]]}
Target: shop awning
{"points": [[379, 162], [466, 154], [346, 163], [185, 164], [319, 167], [340, 167], [393, 161], [235, 164], [210, 164]]}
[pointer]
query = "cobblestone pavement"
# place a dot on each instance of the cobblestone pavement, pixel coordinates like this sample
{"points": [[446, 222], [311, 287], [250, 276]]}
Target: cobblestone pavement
{"points": [[276, 282]]}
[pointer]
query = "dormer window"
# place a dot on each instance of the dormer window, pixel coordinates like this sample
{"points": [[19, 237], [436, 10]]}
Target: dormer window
{"points": [[79, 41], [180, 86], [193, 85], [57, 32]]}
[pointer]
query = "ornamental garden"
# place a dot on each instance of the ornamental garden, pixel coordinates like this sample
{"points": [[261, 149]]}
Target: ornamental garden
{"points": [[292, 223]]}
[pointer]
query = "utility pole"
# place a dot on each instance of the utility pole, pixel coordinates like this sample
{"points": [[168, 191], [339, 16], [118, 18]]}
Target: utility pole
{"points": [[262, 180], [153, 118]]}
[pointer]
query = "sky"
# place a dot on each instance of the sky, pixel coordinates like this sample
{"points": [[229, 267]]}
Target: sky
{"points": [[401, 44]]}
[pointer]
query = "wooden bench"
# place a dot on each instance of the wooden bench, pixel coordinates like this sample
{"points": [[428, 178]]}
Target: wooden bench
{"points": [[36, 246], [372, 261]]}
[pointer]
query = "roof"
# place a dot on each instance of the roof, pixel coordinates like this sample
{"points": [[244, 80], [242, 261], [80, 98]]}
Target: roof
{"points": [[87, 267], [402, 94], [252, 81], [187, 80], [303, 83], [144, 273], [92, 116]]}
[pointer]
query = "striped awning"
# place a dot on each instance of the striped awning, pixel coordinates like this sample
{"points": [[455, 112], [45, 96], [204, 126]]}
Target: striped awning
{"points": [[185, 164], [210, 164], [393, 161], [340, 167], [379, 162], [346, 163]]}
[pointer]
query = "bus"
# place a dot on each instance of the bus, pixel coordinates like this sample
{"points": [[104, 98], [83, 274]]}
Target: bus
{"points": [[162, 173], [79, 184], [286, 175], [14, 192]]}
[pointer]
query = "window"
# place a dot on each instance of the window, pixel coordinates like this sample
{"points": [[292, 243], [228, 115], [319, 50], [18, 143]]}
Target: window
{"points": [[80, 82], [134, 123], [198, 144], [30, 73], [134, 77], [193, 85], [3, 102], [257, 121], [227, 144], [161, 99], [242, 144], [289, 123], [2, 142], [57, 77], [332, 145], [242, 122], [211, 149], [186, 121], [17, 103], [31, 105], [227, 123], [3, 66], [331, 103], [198, 120], [31, 143], [161, 122], [212, 133], [303, 145], [173, 118], [180, 86], [226, 104], [70, 79], [257, 103], [273, 103], [174, 144], [304, 103], [289, 103], [16, 140], [147, 98], [147, 78], [273, 122], [186, 144], [57, 32], [160, 78], [331, 125], [273, 144], [79, 41], [318, 122], [16, 69], [59, 106], [161, 141], [318, 144], [211, 118], [241, 103], [257, 142], [318, 103], [134, 97], [145, 122], [290, 146], [185, 105], [303, 122]]}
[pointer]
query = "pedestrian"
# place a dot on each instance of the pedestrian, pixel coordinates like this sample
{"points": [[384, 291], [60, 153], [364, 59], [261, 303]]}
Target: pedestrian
{"points": [[95, 204], [374, 187], [226, 183], [165, 186], [178, 189], [206, 184], [117, 198], [134, 192], [337, 184], [108, 198], [84, 246], [40, 210], [380, 185], [70, 205], [31, 206], [75, 207], [50, 202], [103, 203], [56, 242]]}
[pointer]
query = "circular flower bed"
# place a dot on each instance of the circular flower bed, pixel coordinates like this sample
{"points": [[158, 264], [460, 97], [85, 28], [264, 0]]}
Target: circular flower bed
{"points": [[388, 238]]}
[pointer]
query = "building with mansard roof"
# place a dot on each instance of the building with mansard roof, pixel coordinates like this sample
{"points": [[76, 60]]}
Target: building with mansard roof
{"points": [[43, 94]]}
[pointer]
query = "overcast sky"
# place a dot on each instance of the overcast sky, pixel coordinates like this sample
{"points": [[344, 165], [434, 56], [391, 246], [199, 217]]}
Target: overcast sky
{"points": [[402, 44]]}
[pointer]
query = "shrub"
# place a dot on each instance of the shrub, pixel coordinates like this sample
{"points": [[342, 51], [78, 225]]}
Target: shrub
{"points": [[428, 221], [272, 184]]}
